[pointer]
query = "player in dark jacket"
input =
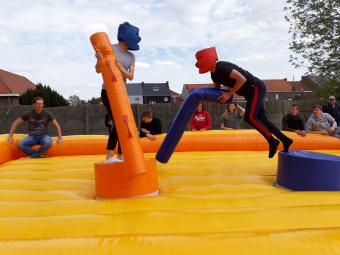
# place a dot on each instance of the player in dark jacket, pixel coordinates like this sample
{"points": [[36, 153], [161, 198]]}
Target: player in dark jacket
{"points": [[244, 84]]}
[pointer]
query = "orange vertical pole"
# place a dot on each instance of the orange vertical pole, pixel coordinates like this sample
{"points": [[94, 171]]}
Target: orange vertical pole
{"points": [[134, 176], [119, 102]]}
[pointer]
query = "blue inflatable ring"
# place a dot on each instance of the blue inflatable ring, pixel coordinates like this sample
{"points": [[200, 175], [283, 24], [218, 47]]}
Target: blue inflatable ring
{"points": [[308, 171]]}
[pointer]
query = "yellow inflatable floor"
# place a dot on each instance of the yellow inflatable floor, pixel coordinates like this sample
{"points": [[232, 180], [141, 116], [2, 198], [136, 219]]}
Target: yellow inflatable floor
{"points": [[210, 203]]}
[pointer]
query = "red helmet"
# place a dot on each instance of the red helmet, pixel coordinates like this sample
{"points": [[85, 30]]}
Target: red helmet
{"points": [[206, 59]]}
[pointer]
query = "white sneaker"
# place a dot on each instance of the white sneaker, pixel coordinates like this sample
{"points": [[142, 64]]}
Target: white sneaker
{"points": [[121, 157], [112, 160]]}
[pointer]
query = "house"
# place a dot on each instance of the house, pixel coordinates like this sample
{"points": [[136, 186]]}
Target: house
{"points": [[135, 93], [175, 97], [12, 86], [277, 89], [301, 90], [282, 89], [155, 93], [148, 93]]}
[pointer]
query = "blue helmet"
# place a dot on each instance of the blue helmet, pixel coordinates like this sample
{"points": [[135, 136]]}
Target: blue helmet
{"points": [[130, 35]]}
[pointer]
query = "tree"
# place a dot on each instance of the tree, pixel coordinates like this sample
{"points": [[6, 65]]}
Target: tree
{"points": [[315, 29], [75, 100], [51, 97], [94, 100], [331, 87]]}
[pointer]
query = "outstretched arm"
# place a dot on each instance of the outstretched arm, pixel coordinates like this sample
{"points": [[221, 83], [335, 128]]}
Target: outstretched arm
{"points": [[14, 125], [58, 129], [333, 124]]}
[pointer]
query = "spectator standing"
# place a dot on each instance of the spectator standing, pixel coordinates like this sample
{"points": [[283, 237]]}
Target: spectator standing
{"points": [[333, 109]]}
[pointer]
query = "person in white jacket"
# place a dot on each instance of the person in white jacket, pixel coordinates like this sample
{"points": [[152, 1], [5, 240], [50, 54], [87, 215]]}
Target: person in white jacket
{"points": [[320, 122]]}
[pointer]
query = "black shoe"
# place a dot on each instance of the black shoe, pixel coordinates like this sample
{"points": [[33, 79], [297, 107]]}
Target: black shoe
{"points": [[286, 144], [273, 144]]}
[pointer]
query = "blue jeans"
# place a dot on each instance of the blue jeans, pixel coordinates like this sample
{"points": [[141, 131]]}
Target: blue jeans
{"points": [[26, 144]]}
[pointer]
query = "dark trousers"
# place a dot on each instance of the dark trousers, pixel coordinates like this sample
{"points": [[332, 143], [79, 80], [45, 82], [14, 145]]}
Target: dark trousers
{"points": [[255, 115], [113, 136]]}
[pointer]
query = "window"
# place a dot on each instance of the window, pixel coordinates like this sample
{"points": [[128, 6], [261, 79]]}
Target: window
{"points": [[137, 99], [166, 99]]}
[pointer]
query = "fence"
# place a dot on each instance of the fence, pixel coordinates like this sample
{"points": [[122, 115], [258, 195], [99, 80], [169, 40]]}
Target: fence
{"points": [[89, 119]]}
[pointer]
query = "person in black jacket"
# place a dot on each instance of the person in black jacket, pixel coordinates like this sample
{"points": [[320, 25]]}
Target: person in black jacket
{"points": [[150, 126], [242, 83], [333, 109], [293, 122]]}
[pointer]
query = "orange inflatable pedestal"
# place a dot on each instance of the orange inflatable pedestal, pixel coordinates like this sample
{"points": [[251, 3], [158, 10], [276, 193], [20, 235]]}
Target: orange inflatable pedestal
{"points": [[135, 176], [113, 180]]}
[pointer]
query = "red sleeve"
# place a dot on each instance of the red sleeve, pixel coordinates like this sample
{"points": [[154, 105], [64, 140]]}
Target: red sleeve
{"points": [[208, 121], [191, 123]]}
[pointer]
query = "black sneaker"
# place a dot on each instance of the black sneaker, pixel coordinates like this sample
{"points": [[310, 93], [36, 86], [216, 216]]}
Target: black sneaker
{"points": [[286, 144], [273, 144]]}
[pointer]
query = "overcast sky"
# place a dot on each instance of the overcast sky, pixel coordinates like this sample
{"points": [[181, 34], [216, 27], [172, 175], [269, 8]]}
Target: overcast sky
{"points": [[48, 41]]}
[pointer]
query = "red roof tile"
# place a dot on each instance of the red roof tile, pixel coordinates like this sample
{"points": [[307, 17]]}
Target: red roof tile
{"points": [[278, 85], [13, 83], [3, 88], [299, 86]]}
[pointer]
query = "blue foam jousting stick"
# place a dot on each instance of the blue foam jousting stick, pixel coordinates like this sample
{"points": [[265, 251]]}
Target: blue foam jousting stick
{"points": [[182, 119]]}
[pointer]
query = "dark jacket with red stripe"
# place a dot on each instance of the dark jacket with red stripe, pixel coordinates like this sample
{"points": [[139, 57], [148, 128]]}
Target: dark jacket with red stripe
{"points": [[221, 76]]}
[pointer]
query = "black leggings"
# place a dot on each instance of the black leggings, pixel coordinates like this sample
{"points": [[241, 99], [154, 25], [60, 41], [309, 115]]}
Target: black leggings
{"points": [[255, 115], [113, 136]]}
